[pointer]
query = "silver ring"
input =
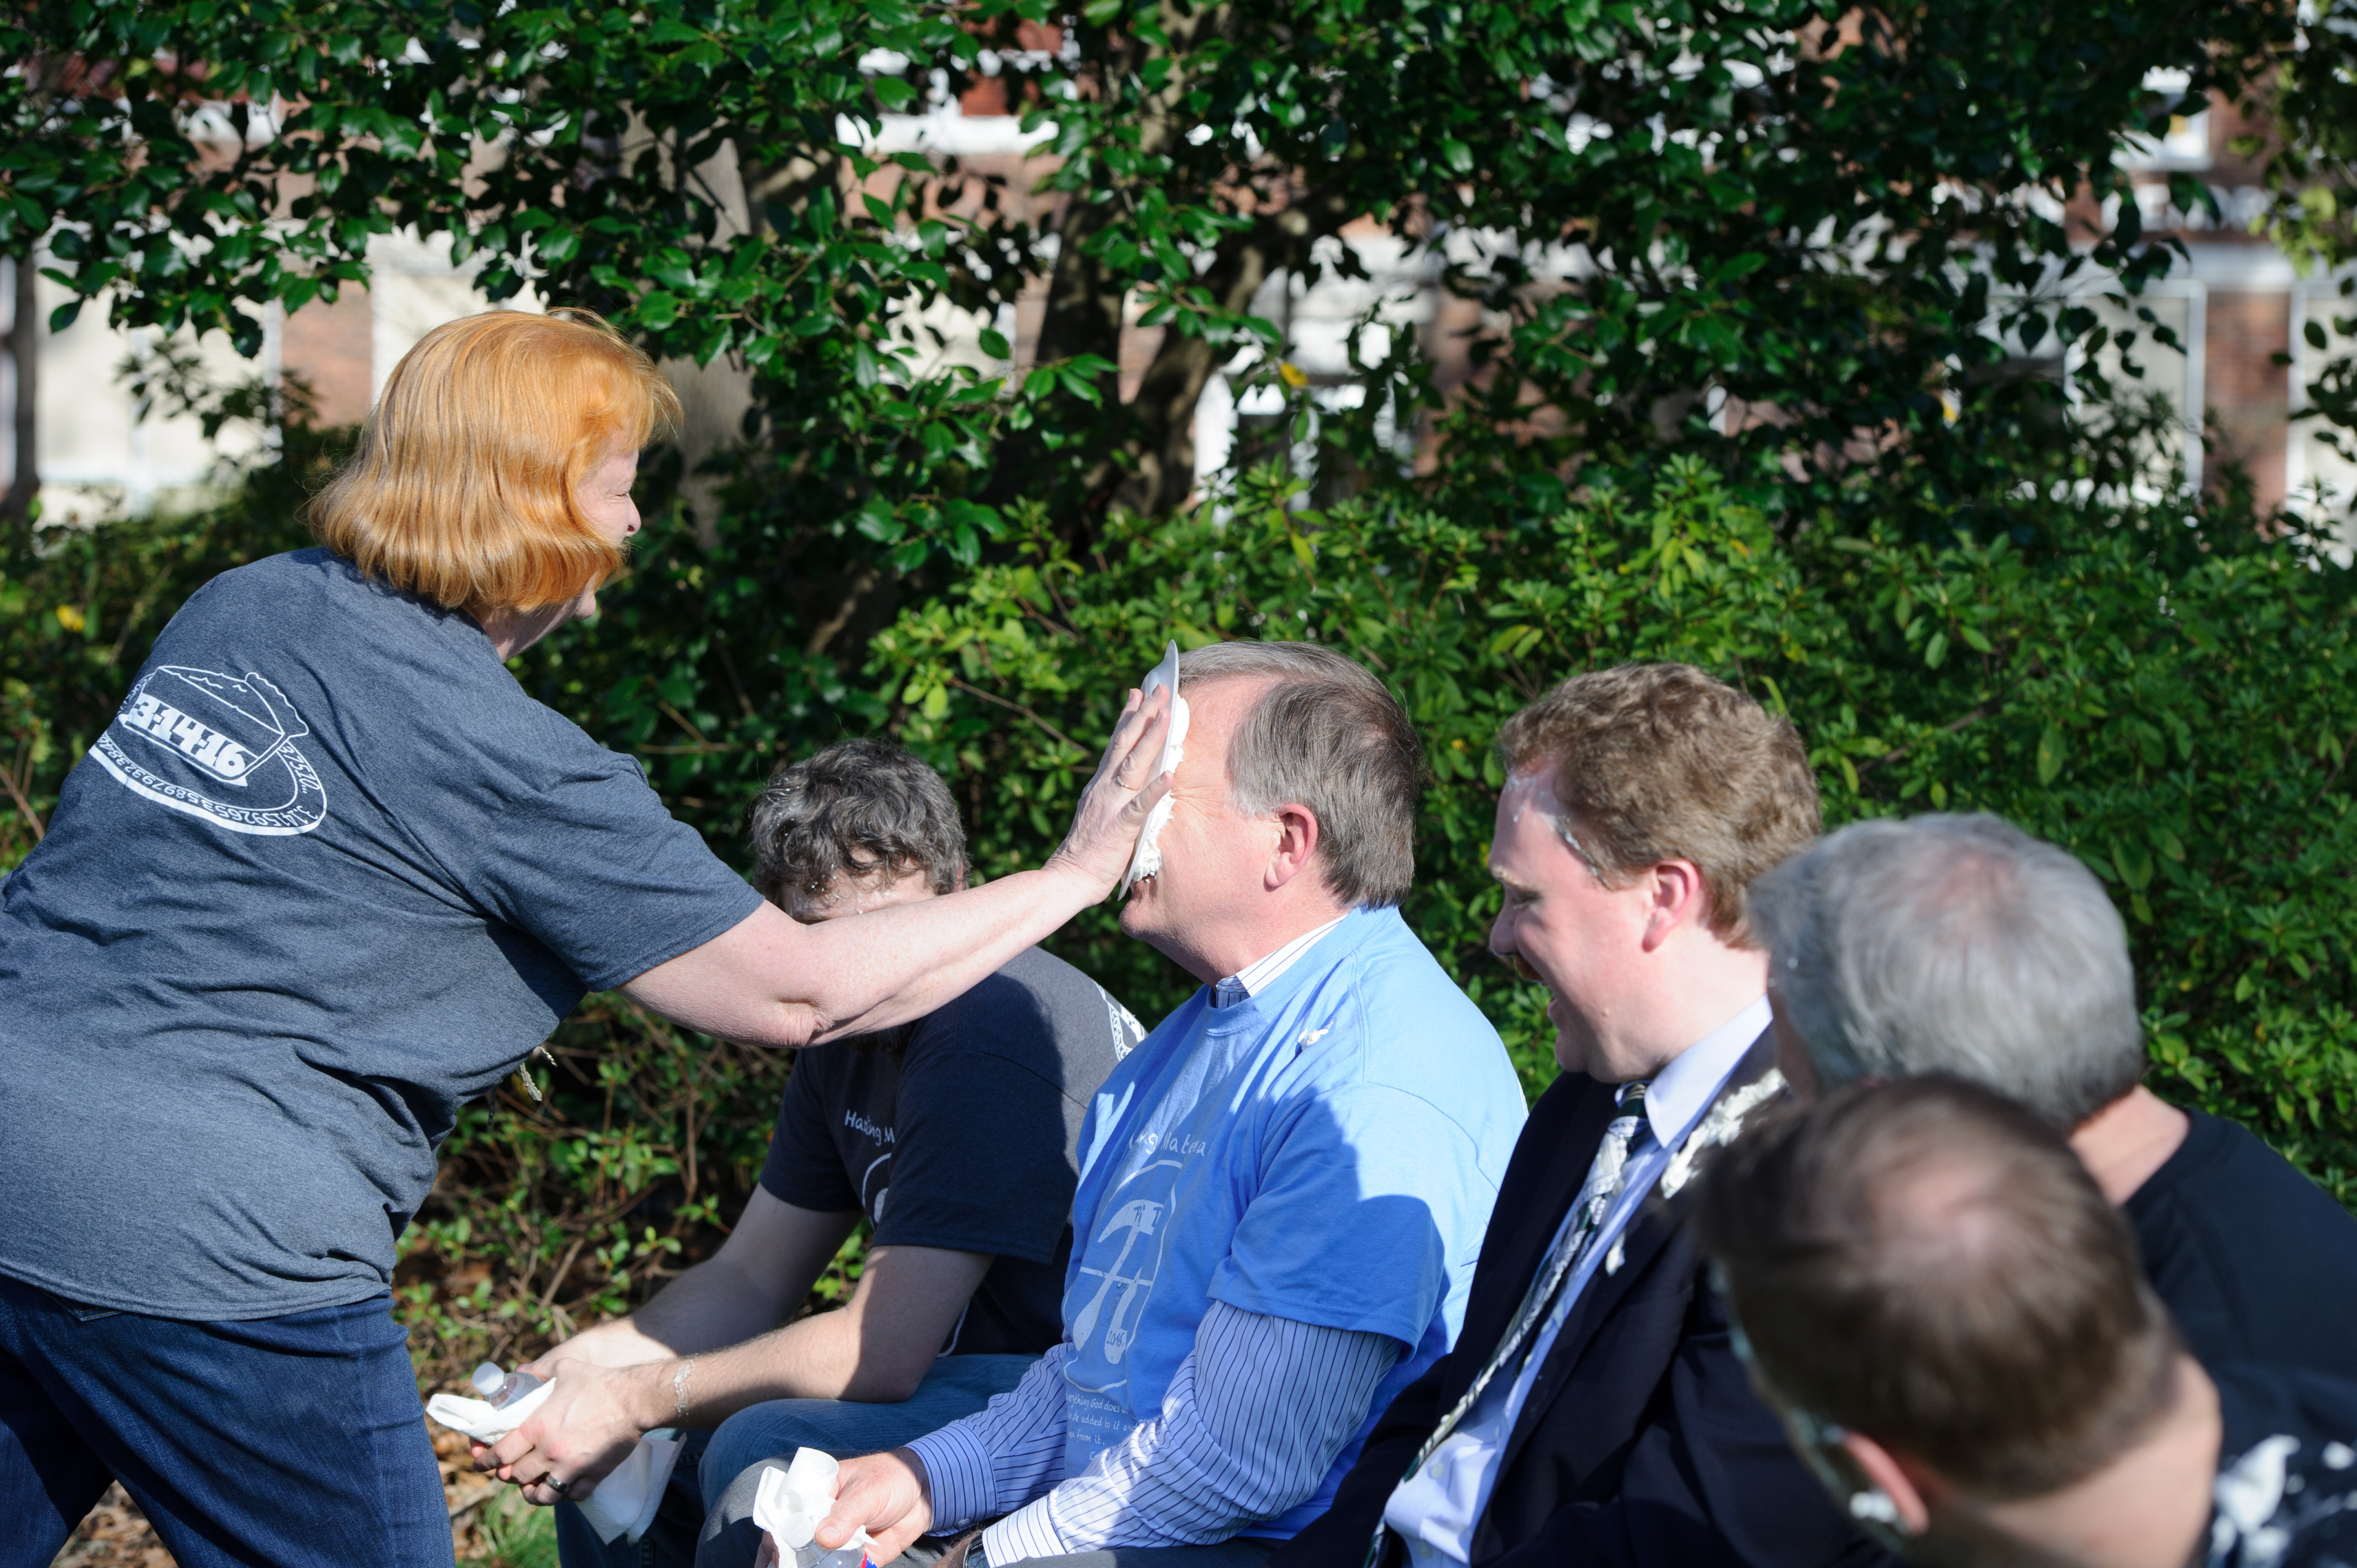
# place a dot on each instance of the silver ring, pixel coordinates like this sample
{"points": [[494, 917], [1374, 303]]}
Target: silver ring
{"points": [[561, 1488]]}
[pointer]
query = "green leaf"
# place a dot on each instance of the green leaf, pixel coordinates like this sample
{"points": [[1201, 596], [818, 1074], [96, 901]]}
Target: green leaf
{"points": [[671, 267], [1457, 155], [995, 344], [2051, 751], [1935, 651]]}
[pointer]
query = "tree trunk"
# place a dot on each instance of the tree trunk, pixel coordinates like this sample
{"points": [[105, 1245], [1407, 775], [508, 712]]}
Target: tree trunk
{"points": [[1161, 453], [25, 356]]}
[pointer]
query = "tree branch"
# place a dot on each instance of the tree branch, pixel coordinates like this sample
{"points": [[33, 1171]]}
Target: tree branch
{"points": [[1017, 707]]}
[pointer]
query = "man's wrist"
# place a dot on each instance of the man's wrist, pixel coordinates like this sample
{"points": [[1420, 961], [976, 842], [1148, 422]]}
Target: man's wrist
{"points": [[916, 1463], [649, 1401]]}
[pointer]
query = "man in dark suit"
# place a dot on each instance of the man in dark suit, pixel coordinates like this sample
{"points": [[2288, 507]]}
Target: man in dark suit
{"points": [[1594, 1410]]}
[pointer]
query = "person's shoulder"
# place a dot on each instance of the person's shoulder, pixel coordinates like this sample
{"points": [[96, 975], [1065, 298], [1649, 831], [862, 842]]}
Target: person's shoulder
{"points": [[1044, 974], [1413, 1023], [1409, 1035], [2224, 1170], [275, 584], [1037, 1014], [2286, 1487], [1393, 968], [318, 601], [321, 575]]}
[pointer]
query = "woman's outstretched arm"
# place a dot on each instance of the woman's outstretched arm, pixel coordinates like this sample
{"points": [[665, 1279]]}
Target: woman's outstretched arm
{"points": [[769, 980]]}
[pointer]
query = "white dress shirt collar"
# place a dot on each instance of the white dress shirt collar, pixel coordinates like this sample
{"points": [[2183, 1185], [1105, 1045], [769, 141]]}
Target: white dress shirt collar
{"points": [[1680, 1094], [1258, 975]]}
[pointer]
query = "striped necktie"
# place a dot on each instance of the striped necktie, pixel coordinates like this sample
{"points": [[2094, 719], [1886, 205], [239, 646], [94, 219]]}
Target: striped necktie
{"points": [[1606, 1176]]}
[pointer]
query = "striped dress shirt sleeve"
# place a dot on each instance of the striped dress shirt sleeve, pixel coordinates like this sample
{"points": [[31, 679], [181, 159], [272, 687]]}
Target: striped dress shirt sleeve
{"points": [[1004, 1454], [1251, 1424]]}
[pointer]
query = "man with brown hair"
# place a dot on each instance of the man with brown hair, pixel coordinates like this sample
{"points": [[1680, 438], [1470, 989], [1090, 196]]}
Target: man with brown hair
{"points": [[1953, 1321], [1594, 1410]]}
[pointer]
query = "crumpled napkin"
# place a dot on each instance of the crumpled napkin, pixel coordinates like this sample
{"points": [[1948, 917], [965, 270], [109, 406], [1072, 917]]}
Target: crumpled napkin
{"points": [[790, 1504], [1148, 858], [623, 1504]]}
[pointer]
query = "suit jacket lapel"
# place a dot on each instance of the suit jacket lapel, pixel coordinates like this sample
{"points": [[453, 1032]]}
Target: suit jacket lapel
{"points": [[1507, 1272], [1650, 1229]]}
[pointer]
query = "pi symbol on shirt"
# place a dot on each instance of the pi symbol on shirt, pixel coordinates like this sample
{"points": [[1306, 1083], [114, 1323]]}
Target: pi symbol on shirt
{"points": [[1127, 1278]]}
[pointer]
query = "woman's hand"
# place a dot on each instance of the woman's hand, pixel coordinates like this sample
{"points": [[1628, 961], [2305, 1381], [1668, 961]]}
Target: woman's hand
{"points": [[1127, 786]]}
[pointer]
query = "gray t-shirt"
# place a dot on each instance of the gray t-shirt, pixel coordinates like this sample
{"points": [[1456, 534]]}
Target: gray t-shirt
{"points": [[963, 1131], [328, 875]]}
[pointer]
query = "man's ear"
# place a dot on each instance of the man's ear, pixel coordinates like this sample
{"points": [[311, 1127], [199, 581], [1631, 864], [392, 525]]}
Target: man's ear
{"points": [[1895, 1481], [1296, 844], [1680, 898]]}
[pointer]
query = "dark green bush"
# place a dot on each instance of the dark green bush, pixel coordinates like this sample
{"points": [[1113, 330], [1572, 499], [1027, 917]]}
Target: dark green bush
{"points": [[2175, 703]]}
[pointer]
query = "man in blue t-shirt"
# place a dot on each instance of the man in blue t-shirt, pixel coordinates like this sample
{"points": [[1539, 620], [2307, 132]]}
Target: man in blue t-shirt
{"points": [[1282, 1190]]}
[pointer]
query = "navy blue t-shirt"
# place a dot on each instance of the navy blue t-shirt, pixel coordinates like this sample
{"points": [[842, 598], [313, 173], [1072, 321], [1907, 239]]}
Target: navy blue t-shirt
{"points": [[2286, 1495], [961, 1131], [329, 874], [2256, 1262]]}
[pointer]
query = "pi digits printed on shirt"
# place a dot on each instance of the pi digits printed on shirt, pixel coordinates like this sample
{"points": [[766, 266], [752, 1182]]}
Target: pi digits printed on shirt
{"points": [[218, 746]]}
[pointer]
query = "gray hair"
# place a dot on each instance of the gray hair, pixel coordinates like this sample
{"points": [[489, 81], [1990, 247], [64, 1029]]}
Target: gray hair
{"points": [[1328, 736], [865, 809], [1955, 944]]}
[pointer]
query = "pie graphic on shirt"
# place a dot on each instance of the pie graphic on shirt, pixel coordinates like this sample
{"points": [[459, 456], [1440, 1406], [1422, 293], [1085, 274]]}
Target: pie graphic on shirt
{"points": [[218, 746]]}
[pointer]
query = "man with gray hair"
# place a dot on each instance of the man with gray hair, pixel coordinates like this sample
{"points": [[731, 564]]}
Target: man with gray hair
{"points": [[1283, 1189], [1962, 945], [965, 1263]]}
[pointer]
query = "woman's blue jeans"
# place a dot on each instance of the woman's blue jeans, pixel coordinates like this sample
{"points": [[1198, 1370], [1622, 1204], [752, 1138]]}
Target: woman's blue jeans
{"points": [[288, 1440]]}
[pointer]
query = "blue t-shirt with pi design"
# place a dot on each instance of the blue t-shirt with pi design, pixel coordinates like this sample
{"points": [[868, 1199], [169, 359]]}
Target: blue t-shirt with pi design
{"points": [[1327, 1151]]}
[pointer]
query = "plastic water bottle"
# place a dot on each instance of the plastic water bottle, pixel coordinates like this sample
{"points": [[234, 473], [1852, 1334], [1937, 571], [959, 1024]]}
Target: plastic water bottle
{"points": [[502, 1388]]}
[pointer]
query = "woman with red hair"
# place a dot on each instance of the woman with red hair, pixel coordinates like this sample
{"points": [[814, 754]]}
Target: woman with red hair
{"points": [[328, 875]]}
